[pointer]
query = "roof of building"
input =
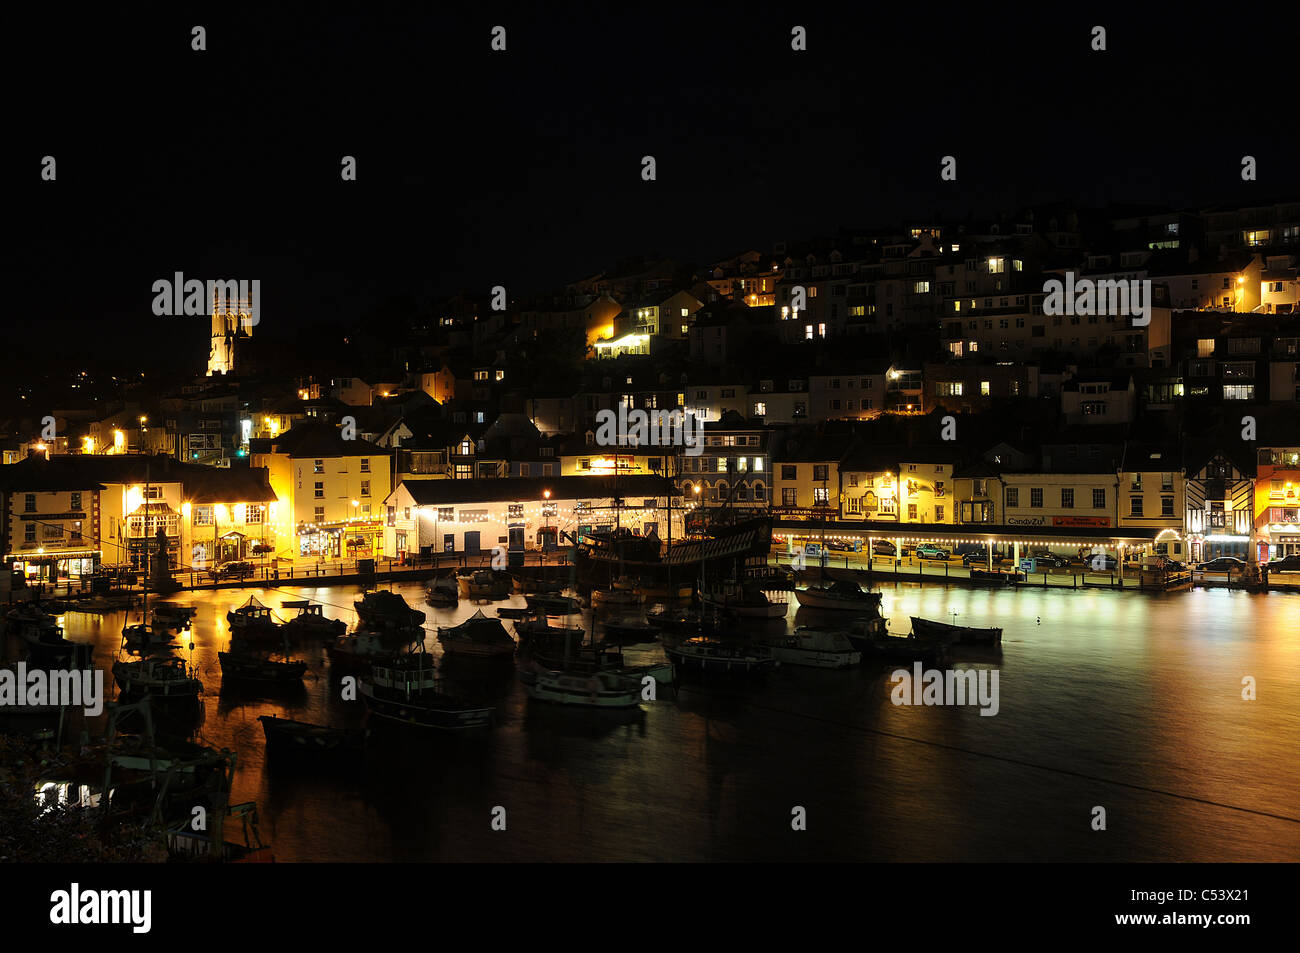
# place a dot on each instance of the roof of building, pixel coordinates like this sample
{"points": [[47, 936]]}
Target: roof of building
{"points": [[511, 489]]}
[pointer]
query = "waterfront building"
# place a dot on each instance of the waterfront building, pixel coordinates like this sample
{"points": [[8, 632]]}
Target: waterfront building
{"points": [[1220, 503], [425, 516]]}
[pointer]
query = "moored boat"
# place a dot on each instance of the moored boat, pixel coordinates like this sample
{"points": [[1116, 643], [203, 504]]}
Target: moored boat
{"points": [[242, 666], [629, 630], [405, 690], [442, 593], [551, 604], [745, 602], [714, 656], [159, 678], [956, 634], [311, 621], [171, 615], [609, 599], [382, 610], [477, 637], [253, 618], [814, 648], [485, 584], [842, 594], [354, 654], [285, 734], [600, 689]]}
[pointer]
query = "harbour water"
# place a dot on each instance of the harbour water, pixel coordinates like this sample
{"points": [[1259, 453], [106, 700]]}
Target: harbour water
{"points": [[1127, 701]]}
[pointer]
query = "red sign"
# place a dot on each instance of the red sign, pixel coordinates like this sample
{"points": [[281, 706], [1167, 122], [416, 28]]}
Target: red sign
{"points": [[1080, 520]]}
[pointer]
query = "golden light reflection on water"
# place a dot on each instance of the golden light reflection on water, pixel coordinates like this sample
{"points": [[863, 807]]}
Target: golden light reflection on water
{"points": [[1124, 700]]}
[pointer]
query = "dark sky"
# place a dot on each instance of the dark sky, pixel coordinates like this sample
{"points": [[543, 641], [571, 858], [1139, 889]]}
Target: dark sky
{"points": [[523, 168]]}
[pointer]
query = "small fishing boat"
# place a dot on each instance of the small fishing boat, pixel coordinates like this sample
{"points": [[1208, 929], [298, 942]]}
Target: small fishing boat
{"points": [[285, 734], [354, 654], [442, 593], [629, 630], [714, 656], [172, 616], [612, 598], [405, 690], [540, 630], [674, 593], [31, 616], [477, 637], [248, 667], [842, 594], [745, 602], [564, 650], [145, 635], [880, 644], [382, 610], [600, 689], [311, 621], [253, 618], [814, 648], [549, 605], [538, 584], [159, 678], [485, 584], [956, 634]]}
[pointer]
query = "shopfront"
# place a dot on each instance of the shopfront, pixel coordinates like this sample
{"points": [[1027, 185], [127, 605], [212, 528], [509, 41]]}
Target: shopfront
{"points": [[57, 569]]}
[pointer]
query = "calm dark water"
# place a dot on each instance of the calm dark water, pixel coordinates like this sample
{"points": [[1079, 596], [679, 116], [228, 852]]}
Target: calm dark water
{"points": [[1127, 701]]}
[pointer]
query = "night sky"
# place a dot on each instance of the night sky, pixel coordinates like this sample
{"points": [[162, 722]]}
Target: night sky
{"points": [[522, 168]]}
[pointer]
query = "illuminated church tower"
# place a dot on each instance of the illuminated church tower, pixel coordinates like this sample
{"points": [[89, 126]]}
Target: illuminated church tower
{"points": [[232, 319]]}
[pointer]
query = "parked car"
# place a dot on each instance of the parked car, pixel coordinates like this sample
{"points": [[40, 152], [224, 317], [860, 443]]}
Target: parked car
{"points": [[1100, 562], [236, 569], [1222, 564], [931, 551], [883, 547], [980, 557], [1285, 564], [1051, 559]]}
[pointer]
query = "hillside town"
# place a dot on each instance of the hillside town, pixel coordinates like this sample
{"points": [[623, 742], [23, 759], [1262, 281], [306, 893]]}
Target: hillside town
{"points": [[907, 377]]}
